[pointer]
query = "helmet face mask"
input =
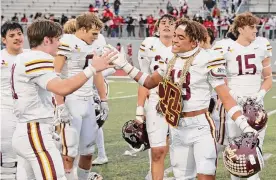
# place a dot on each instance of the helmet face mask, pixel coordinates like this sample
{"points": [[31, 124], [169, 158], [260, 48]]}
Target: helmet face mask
{"points": [[257, 116], [243, 157], [135, 134]]}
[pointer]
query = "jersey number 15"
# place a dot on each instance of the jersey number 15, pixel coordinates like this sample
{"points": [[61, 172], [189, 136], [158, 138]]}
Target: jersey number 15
{"points": [[244, 66]]}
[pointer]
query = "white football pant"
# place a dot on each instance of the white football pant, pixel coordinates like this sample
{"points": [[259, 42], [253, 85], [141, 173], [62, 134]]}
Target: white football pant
{"points": [[193, 148], [80, 136], [37, 151], [157, 126], [10, 167]]}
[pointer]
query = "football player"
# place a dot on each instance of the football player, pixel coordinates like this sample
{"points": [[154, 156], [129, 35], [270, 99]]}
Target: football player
{"points": [[184, 92], [32, 81], [73, 56], [153, 53], [248, 62], [13, 38]]}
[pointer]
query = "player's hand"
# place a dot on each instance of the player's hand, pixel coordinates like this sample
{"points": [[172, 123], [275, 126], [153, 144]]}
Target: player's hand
{"points": [[103, 62], [140, 114], [62, 114], [104, 110], [242, 123], [259, 97]]}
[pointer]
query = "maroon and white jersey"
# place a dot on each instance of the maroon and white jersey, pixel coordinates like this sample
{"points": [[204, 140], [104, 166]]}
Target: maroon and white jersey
{"points": [[244, 64], [206, 72], [152, 55]]}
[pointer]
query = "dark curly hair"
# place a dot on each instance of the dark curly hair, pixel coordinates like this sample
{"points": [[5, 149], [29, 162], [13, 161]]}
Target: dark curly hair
{"points": [[196, 31]]}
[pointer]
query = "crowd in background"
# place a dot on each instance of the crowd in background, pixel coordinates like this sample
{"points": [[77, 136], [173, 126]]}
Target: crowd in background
{"points": [[215, 14]]}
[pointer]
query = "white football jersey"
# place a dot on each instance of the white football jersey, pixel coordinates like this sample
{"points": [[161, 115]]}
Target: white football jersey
{"points": [[152, 55], [200, 79], [244, 64], [6, 65], [31, 72], [77, 54]]}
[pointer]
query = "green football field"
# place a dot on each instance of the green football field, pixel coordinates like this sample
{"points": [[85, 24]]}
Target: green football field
{"points": [[122, 103]]}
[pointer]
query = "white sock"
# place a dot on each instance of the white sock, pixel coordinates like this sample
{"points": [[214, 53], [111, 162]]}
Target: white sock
{"points": [[255, 177], [100, 143], [69, 174], [234, 177], [149, 152], [82, 173]]}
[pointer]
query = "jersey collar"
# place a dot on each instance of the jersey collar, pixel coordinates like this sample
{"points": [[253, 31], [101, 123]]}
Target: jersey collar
{"points": [[189, 53]]}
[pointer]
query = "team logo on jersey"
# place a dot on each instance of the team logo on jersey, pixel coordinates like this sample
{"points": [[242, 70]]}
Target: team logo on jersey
{"points": [[152, 49], [229, 49], [170, 103], [77, 48], [4, 63]]}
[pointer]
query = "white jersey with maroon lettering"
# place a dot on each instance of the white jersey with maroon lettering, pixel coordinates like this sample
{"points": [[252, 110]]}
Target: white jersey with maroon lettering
{"points": [[153, 54], [31, 72], [77, 54], [6, 65], [244, 64], [196, 92]]}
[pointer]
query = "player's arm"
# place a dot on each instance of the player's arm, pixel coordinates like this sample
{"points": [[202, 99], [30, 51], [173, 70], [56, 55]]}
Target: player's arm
{"points": [[58, 65], [99, 83], [64, 87], [148, 81], [143, 92]]}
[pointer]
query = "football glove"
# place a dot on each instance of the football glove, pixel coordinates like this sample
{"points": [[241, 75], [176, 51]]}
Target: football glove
{"points": [[259, 97], [242, 123], [62, 115], [103, 113]]}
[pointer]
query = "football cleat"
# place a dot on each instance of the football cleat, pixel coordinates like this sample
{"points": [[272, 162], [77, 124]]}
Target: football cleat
{"points": [[243, 157], [100, 161], [257, 116], [135, 134]]}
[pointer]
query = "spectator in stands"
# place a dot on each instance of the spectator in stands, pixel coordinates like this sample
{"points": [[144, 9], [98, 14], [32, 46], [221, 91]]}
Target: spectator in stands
{"points": [[216, 11], [37, 15], [161, 13], [181, 3], [106, 3], [175, 12], [97, 4], [142, 23], [63, 19], [224, 4], [15, 18], [169, 7], [209, 4], [224, 26], [2, 20], [208, 23], [184, 10], [117, 4], [130, 26], [115, 27], [91, 8], [24, 18], [150, 28]]}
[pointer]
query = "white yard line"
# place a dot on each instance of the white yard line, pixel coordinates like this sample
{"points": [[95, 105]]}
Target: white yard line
{"points": [[123, 97], [271, 112]]}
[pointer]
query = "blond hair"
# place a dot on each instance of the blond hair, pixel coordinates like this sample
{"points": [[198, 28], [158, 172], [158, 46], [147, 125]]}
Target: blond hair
{"points": [[70, 26], [88, 21]]}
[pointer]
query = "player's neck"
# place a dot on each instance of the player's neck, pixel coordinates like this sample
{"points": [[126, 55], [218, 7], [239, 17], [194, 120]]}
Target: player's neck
{"points": [[14, 52], [166, 41], [79, 35], [242, 41]]}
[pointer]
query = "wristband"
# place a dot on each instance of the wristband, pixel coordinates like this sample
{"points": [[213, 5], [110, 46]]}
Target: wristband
{"points": [[142, 79], [89, 71], [233, 110]]}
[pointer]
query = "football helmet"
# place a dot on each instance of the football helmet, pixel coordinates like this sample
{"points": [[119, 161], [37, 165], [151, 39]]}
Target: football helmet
{"points": [[257, 116], [135, 134], [243, 157]]}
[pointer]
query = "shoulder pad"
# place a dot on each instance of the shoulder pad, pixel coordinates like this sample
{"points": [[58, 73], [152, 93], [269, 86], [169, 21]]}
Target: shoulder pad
{"points": [[148, 43]]}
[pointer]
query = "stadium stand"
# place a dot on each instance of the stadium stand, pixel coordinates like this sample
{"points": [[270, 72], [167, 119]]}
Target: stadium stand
{"points": [[75, 7]]}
